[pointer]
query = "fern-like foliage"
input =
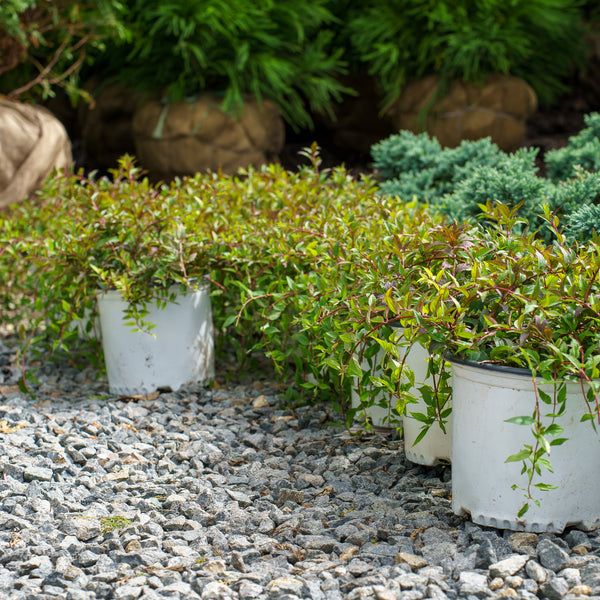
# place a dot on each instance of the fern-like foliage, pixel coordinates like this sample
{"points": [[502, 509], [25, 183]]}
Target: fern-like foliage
{"points": [[401, 40], [276, 49]]}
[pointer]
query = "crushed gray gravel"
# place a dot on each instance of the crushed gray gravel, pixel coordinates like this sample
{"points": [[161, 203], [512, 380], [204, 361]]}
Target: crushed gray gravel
{"points": [[223, 494]]}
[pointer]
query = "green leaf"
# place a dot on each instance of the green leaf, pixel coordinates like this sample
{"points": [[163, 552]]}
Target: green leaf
{"points": [[545, 486], [334, 364], [519, 456], [354, 369], [554, 429], [558, 441], [421, 417], [521, 420]]}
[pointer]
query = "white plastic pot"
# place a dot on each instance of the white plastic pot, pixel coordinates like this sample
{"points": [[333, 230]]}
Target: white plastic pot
{"points": [[484, 398], [381, 413], [436, 446], [88, 327], [179, 350]]}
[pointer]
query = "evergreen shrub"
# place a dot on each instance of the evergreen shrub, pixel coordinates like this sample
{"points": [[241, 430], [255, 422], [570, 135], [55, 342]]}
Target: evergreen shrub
{"points": [[280, 50], [583, 150], [398, 41], [416, 164], [457, 182]]}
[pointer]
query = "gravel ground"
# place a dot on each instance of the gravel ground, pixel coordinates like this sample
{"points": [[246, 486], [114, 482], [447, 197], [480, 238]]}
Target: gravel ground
{"points": [[225, 494]]}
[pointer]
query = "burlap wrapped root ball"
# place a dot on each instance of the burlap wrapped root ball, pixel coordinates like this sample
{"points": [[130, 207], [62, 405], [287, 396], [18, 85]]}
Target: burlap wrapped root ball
{"points": [[195, 136], [32, 144], [497, 108]]}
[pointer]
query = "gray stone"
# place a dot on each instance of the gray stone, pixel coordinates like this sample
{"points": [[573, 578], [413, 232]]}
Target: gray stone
{"points": [[286, 585], [86, 529], [576, 537], [472, 583], [523, 543], [435, 592], [37, 474], [37, 566], [249, 589], [359, 567], [240, 497], [288, 517], [552, 556], [436, 553], [86, 558], [128, 592], [571, 576], [486, 554], [554, 589], [288, 495], [590, 574], [324, 543]]}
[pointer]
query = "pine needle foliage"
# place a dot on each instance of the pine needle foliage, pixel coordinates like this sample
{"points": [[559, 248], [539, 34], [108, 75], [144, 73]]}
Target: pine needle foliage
{"points": [[582, 151], [277, 49], [458, 182]]}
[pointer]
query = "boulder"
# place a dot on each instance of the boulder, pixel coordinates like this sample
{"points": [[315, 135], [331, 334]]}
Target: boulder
{"points": [[32, 143], [497, 108], [187, 137]]}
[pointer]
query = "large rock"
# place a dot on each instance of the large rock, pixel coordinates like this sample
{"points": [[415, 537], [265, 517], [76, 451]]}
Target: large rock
{"points": [[194, 136], [498, 108], [32, 143]]}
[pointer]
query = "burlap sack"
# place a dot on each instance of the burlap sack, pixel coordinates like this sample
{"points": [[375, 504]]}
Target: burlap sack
{"points": [[32, 143], [195, 136], [499, 108]]}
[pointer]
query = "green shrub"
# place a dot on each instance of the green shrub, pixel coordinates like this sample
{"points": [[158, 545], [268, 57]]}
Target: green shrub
{"points": [[417, 166], [584, 223], [405, 153], [512, 181], [583, 150], [402, 40], [459, 181], [277, 50]]}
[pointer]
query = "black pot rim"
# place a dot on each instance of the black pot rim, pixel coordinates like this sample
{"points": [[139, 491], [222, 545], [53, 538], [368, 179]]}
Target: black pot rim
{"points": [[488, 366]]}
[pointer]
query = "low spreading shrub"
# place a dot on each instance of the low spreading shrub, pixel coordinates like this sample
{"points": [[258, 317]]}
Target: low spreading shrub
{"points": [[582, 151], [457, 182]]}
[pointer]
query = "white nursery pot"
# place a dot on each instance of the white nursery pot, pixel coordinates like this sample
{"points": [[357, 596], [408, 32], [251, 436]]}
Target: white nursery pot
{"points": [[88, 327], [381, 413], [436, 446], [484, 397], [178, 351]]}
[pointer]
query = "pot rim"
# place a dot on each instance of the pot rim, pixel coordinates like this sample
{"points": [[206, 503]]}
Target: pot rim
{"points": [[451, 358]]}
